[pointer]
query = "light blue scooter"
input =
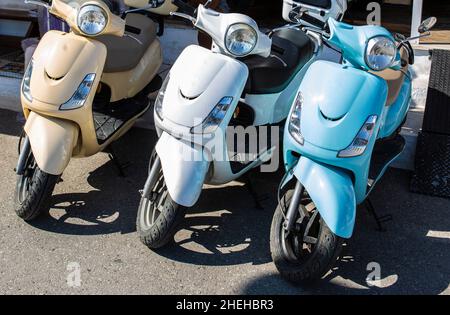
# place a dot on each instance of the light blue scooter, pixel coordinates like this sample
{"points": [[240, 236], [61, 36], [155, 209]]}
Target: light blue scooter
{"points": [[341, 135]]}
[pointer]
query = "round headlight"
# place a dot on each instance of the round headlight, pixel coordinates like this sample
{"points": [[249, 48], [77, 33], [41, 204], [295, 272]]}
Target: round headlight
{"points": [[380, 53], [241, 39], [92, 19]]}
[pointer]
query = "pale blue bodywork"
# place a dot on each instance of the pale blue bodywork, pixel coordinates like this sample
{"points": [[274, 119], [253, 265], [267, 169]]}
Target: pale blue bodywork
{"points": [[337, 100]]}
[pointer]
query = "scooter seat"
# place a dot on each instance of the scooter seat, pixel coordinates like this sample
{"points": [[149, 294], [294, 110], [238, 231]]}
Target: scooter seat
{"points": [[124, 53], [292, 48]]}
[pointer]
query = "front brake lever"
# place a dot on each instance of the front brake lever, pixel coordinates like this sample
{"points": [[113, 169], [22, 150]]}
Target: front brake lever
{"points": [[184, 16]]}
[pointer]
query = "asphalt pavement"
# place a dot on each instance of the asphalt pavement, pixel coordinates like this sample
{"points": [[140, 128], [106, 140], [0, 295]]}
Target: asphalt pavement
{"points": [[223, 247]]}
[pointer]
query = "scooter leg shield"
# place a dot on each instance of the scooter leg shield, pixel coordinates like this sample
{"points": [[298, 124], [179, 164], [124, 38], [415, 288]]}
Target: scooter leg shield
{"points": [[52, 141], [331, 190], [184, 167]]}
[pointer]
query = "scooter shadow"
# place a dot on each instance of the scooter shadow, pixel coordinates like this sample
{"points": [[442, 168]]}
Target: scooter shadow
{"points": [[226, 227], [110, 205], [412, 254]]}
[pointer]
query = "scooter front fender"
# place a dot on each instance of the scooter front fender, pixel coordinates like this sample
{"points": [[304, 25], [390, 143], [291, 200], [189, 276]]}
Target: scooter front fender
{"points": [[184, 167], [331, 190], [52, 141]]}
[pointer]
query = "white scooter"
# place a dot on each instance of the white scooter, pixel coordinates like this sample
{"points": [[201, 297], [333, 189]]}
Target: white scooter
{"points": [[247, 80]]}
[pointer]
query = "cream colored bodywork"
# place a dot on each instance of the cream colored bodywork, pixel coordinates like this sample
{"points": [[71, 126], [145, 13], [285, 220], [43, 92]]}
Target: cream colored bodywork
{"points": [[128, 84], [61, 62], [165, 9], [52, 141], [68, 11]]}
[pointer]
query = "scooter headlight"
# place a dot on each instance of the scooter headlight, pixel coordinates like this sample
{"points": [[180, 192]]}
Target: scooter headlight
{"points": [[160, 98], [359, 144], [240, 39], [80, 96], [295, 120], [26, 91], [380, 53], [92, 19], [212, 122]]}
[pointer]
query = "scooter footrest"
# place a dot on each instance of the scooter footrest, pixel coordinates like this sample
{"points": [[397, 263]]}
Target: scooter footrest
{"points": [[112, 117]]}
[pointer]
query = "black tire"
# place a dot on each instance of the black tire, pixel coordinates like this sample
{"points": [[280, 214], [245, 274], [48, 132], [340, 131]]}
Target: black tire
{"points": [[33, 191], [157, 231], [312, 263]]}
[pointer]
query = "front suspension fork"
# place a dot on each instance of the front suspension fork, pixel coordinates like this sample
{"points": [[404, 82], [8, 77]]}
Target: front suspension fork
{"points": [[152, 178], [23, 156], [293, 207]]}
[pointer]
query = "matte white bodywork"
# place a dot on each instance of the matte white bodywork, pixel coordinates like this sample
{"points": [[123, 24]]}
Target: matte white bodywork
{"points": [[198, 81], [216, 25], [184, 177]]}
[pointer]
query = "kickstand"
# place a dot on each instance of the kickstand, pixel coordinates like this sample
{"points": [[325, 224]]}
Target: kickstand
{"points": [[256, 198], [379, 220], [119, 166]]}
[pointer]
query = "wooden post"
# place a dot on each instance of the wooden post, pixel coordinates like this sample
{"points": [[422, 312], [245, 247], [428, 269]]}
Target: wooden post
{"points": [[416, 19]]}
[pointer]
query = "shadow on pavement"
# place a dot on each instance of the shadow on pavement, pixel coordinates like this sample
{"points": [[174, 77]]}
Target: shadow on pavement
{"points": [[11, 123], [413, 256], [225, 228], [111, 205]]}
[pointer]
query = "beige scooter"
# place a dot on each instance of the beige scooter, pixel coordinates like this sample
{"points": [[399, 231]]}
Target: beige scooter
{"points": [[84, 89]]}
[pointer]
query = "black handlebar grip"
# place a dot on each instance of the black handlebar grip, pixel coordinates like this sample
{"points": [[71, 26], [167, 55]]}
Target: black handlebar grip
{"points": [[183, 7]]}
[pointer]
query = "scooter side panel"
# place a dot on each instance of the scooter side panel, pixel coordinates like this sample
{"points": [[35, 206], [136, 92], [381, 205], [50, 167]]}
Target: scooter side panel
{"points": [[52, 141], [331, 190], [61, 62], [184, 166], [396, 112], [199, 79]]}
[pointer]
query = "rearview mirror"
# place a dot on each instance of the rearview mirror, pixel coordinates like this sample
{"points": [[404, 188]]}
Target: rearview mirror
{"points": [[427, 25]]}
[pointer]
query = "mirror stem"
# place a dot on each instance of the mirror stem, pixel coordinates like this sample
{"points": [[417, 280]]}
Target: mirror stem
{"points": [[427, 34]]}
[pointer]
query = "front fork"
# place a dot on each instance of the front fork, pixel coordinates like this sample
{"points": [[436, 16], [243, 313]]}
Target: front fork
{"points": [[23, 156], [289, 220], [152, 177]]}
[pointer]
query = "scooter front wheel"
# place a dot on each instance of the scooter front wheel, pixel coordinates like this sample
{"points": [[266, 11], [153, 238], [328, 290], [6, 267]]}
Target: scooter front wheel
{"points": [[158, 216], [33, 190], [309, 250]]}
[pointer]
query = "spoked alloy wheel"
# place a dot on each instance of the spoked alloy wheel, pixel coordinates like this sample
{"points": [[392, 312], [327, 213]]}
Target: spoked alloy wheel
{"points": [[309, 250], [298, 244], [33, 190], [155, 205], [158, 216]]}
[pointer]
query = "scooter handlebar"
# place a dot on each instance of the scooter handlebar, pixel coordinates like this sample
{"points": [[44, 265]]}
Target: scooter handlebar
{"points": [[183, 7]]}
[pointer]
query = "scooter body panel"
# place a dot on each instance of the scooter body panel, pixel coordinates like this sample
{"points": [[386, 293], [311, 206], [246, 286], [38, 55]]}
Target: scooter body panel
{"points": [[331, 190], [198, 81], [325, 138], [396, 113], [61, 62], [184, 166], [52, 141], [339, 102], [127, 84]]}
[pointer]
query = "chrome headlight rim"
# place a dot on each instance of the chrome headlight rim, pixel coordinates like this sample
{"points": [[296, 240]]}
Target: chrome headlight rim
{"points": [[371, 44], [243, 26], [84, 10]]}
